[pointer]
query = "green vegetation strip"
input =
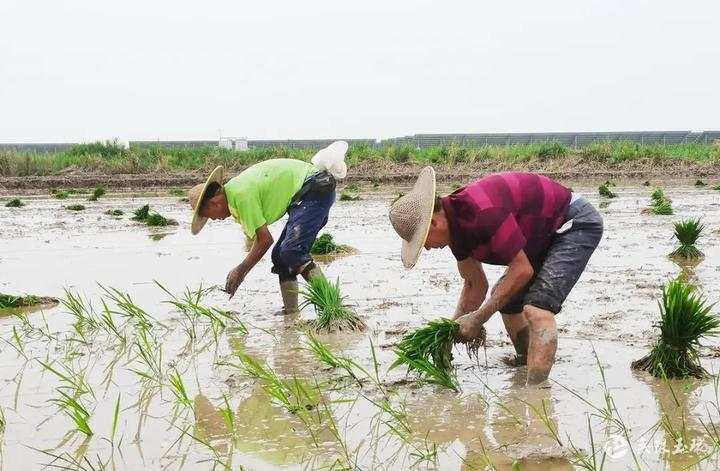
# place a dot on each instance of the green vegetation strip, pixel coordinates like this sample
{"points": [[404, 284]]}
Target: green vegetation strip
{"points": [[112, 159]]}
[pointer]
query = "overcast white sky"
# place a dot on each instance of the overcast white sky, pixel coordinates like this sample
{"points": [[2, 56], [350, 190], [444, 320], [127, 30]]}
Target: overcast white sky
{"points": [[161, 69]]}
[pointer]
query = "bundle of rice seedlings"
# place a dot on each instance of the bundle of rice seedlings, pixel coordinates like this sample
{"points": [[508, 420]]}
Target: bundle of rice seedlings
{"points": [[142, 213], [428, 351], [14, 203], [329, 304], [685, 318], [97, 193], [349, 196], [605, 190], [114, 212], [9, 301], [352, 188], [75, 207], [324, 245], [658, 194], [662, 208], [155, 220], [687, 233], [60, 194]]}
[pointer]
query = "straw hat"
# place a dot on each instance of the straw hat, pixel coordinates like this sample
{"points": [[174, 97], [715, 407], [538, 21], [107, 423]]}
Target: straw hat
{"points": [[410, 216], [197, 193]]}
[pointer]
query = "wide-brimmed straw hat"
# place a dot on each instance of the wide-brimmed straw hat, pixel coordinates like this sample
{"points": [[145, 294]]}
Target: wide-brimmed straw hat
{"points": [[411, 214], [197, 194]]}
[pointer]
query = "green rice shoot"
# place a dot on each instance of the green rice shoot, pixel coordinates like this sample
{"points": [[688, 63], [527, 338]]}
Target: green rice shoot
{"points": [[687, 233], [114, 212], [14, 203], [605, 190], [349, 196], [685, 319], [428, 351], [142, 213], [156, 220], [662, 208], [61, 194], [329, 304], [75, 207], [97, 193], [658, 194], [325, 245]]}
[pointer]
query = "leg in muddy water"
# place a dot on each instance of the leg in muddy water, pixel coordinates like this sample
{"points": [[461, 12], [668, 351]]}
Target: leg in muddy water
{"points": [[542, 344], [310, 270], [289, 293], [518, 329]]}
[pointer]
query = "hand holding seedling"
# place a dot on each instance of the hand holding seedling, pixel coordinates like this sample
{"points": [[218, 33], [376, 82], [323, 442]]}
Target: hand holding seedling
{"points": [[234, 278], [469, 328]]}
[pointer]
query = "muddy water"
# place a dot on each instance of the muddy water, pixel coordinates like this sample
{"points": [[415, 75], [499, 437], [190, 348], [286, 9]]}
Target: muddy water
{"points": [[493, 421]]}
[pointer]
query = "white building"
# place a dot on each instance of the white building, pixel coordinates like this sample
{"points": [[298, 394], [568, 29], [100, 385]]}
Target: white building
{"points": [[233, 143]]}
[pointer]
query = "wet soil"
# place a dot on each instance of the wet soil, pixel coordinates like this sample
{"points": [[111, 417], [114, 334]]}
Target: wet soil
{"points": [[494, 419]]}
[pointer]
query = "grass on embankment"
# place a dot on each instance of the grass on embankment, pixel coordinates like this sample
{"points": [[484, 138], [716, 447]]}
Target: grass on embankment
{"points": [[111, 159]]}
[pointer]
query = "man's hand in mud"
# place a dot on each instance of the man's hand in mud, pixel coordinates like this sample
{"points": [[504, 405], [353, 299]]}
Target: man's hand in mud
{"points": [[470, 326], [233, 280]]}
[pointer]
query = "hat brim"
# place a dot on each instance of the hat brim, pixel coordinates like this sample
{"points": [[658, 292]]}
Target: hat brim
{"points": [[424, 190], [198, 221]]}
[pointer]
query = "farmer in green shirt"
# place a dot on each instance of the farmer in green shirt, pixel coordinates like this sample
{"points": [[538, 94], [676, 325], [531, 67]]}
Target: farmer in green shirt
{"points": [[261, 195]]}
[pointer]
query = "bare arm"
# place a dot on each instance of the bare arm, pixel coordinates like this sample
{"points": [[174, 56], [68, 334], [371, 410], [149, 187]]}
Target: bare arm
{"points": [[518, 274], [475, 286], [263, 242]]}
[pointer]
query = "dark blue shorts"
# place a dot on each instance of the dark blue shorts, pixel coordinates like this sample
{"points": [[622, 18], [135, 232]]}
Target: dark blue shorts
{"points": [[306, 217], [564, 262]]}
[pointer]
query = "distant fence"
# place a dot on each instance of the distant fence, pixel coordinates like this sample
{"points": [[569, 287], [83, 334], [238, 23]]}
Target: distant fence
{"points": [[573, 139]]}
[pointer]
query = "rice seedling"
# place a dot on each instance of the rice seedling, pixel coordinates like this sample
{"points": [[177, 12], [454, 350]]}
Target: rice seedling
{"points": [[428, 351], [227, 414], [349, 196], [323, 354], [158, 220], [179, 192], [72, 407], [352, 188], [14, 203], [150, 354], [11, 301], [687, 233], [85, 318], [98, 192], [177, 386], [325, 244], [128, 309], [116, 419], [700, 183], [61, 194], [75, 207], [329, 304], [142, 213], [605, 190], [114, 212], [685, 318], [71, 380], [661, 205]]}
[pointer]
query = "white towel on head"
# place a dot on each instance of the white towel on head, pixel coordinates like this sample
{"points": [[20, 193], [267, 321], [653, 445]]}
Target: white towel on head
{"points": [[332, 159]]}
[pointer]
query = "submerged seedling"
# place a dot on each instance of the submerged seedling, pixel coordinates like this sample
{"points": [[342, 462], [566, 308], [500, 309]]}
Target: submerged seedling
{"points": [[428, 351], [97, 193], [325, 244], [685, 318], [72, 407], [14, 203], [114, 212], [332, 312], [75, 207], [687, 233], [605, 190]]}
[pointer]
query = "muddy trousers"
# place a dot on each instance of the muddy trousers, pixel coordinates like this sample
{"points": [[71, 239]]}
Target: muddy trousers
{"points": [[305, 219]]}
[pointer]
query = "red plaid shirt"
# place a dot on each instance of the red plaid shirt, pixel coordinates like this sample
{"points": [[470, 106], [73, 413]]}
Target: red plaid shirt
{"points": [[495, 217]]}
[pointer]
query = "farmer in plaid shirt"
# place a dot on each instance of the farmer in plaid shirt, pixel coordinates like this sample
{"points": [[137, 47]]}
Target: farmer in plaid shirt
{"points": [[542, 232]]}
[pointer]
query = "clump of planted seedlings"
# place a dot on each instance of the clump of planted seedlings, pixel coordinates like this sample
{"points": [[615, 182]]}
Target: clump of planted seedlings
{"points": [[114, 212], [428, 351], [605, 190], [685, 318], [329, 304], [687, 233], [660, 204], [60, 194], [143, 214], [14, 203], [346, 195], [98, 192], [75, 207], [12, 301], [325, 245]]}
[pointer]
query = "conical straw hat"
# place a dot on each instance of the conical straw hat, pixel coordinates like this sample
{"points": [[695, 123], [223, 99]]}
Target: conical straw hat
{"points": [[197, 193], [410, 216]]}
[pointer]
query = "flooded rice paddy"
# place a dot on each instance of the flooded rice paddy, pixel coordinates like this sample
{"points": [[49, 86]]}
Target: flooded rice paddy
{"points": [[223, 419]]}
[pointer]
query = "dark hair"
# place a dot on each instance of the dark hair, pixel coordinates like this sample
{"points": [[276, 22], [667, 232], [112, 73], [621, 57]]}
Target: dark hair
{"points": [[211, 191], [438, 204]]}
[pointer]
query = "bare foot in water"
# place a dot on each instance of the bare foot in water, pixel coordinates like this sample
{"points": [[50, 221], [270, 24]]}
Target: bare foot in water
{"points": [[514, 361]]}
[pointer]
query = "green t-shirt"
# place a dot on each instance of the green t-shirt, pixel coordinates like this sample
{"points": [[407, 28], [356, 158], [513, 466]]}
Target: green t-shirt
{"points": [[261, 194]]}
